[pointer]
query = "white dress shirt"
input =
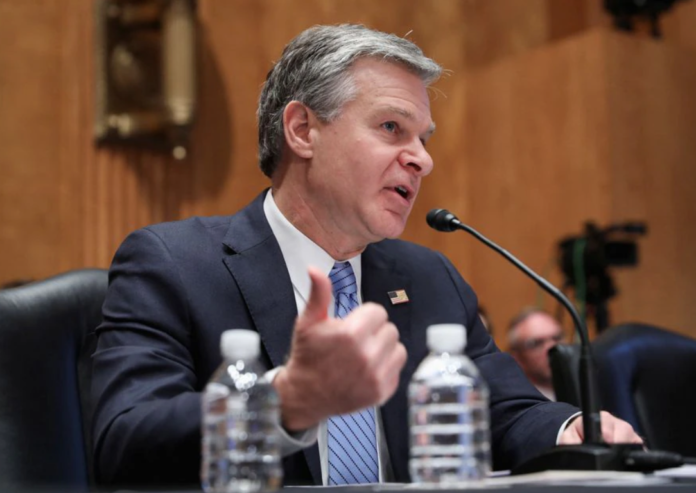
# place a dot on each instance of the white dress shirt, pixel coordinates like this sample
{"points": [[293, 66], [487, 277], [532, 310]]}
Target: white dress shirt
{"points": [[299, 253]]}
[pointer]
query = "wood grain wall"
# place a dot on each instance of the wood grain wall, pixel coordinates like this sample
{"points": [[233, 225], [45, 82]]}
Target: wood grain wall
{"points": [[598, 127], [66, 204]]}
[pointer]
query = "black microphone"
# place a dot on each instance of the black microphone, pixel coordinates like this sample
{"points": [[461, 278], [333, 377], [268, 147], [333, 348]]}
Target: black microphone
{"points": [[444, 220], [593, 454]]}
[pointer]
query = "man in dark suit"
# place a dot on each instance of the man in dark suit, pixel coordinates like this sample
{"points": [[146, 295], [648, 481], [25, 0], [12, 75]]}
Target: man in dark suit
{"points": [[343, 121]]}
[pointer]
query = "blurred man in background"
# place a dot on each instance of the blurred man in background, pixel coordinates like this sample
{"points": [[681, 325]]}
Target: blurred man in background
{"points": [[530, 336]]}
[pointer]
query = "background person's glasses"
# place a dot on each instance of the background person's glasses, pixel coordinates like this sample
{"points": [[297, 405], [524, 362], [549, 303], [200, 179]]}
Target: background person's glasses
{"points": [[538, 342]]}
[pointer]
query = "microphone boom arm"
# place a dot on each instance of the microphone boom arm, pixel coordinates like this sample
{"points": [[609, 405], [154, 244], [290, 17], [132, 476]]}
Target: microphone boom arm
{"points": [[443, 220]]}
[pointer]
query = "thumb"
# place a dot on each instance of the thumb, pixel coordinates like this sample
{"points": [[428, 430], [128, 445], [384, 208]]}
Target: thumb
{"points": [[319, 299]]}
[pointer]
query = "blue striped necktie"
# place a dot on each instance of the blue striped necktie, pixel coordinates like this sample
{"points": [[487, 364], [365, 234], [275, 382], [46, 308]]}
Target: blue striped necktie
{"points": [[352, 438]]}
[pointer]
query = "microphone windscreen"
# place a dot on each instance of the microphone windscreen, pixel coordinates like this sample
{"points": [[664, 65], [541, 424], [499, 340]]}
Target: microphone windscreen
{"points": [[431, 217], [441, 220]]}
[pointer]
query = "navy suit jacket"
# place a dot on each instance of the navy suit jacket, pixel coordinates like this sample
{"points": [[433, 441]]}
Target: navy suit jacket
{"points": [[175, 287]]}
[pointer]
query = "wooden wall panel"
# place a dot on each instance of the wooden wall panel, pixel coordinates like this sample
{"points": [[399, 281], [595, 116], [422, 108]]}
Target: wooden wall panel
{"points": [[537, 146], [599, 127], [678, 25], [30, 38], [64, 203], [653, 156], [526, 24]]}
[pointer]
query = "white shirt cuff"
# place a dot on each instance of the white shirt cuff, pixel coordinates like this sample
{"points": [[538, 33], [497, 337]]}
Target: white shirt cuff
{"points": [[565, 425], [295, 441]]}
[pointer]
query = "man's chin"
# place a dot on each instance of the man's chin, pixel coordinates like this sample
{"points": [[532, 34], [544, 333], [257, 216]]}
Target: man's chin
{"points": [[387, 225], [393, 230], [395, 235]]}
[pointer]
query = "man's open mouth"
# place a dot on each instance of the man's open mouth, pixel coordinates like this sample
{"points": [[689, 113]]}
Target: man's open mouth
{"points": [[402, 191]]}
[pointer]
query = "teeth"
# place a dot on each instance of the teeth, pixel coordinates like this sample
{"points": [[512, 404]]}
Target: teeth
{"points": [[402, 191]]}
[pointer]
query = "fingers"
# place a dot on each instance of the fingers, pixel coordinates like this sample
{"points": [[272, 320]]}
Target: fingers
{"points": [[370, 328], [615, 430], [382, 342], [318, 302], [366, 320], [369, 331], [394, 365], [573, 433]]}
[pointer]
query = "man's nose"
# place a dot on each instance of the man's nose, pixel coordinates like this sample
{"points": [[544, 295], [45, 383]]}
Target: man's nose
{"points": [[417, 158]]}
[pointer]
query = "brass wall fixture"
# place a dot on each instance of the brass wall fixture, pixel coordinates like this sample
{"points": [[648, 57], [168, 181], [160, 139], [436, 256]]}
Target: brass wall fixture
{"points": [[146, 73]]}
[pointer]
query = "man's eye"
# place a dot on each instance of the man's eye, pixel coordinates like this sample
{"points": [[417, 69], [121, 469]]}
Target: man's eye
{"points": [[390, 127]]}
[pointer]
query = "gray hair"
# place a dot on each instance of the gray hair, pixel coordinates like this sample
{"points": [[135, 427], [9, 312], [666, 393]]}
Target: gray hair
{"points": [[314, 70]]}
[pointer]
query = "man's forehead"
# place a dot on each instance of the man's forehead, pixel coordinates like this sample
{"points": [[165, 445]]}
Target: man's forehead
{"points": [[536, 321]]}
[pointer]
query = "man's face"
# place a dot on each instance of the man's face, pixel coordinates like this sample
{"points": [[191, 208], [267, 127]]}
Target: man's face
{"points": [[535, 336], [368, 163]]}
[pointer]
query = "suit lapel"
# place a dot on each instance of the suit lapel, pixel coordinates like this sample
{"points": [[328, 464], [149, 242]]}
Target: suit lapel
{"points": [[381, 274], [256, 263]]}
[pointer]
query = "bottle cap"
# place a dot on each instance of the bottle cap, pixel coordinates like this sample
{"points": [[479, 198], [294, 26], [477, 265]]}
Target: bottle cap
{"points": [[237, 344], [446, 338]]}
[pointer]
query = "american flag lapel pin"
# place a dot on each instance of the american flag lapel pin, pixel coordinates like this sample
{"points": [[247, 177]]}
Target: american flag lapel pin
{"points": [[397, 297]]}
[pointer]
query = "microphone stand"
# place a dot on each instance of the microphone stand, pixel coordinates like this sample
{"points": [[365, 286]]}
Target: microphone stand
{"points": [[593, 454]]}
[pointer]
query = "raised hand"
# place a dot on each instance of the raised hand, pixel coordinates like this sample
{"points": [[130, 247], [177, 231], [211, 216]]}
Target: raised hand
{"points": [[337, 366]]}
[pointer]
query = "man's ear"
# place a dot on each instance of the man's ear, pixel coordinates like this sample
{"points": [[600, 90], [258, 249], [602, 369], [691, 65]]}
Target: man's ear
{"points": [[298, 120]]}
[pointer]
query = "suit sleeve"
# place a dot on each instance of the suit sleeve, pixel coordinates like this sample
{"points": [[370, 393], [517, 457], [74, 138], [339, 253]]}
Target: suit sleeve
{"points": [[523, 422], [144, 390]]}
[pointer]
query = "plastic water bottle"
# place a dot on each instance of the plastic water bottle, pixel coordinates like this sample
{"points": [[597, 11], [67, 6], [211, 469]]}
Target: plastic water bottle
{"points": [[240, 438], [448, 412]]}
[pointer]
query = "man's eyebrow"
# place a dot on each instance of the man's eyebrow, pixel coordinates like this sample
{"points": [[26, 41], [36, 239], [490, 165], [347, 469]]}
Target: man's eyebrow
{"points": [[400, 111]]}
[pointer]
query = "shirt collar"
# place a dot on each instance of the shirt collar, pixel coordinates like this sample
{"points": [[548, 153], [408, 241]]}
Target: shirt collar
{"points": [[299, 252]]}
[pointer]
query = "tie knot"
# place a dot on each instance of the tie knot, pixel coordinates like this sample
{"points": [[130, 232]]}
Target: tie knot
{"points": [[343, 279]]}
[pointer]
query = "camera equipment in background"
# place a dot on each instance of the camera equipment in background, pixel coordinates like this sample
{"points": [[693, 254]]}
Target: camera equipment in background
{"points": [[585, 262], [625, 12]]}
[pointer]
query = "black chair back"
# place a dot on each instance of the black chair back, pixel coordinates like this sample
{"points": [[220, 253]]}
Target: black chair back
{"points": [[46, 340], [564, 360], [646, 376]]}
